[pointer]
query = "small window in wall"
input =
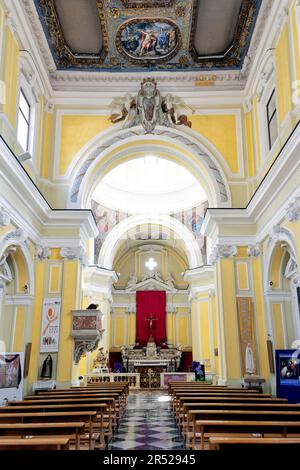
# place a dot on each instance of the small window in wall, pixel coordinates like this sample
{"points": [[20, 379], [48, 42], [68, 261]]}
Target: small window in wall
{"points": [[23, 121], [272, 119]]}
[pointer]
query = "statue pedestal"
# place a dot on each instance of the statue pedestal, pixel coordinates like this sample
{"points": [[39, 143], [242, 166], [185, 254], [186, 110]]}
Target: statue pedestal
{"points": [[253, 382]]}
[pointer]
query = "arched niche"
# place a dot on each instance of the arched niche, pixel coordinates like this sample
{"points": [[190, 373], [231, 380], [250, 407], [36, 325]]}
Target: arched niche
{"points": [[282, 288]]}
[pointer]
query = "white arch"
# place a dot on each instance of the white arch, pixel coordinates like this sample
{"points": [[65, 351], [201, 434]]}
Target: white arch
{"points": [[106, 143], [17, 238], [111, 243], [279, 234]]}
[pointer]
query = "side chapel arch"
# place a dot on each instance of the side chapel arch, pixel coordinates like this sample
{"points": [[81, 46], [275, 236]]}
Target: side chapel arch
{"points": [[109, 149]]}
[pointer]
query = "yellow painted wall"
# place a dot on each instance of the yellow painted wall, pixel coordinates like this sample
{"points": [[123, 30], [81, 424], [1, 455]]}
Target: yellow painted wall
{"points": [[11, 77], [275, 267], [120, 331], [19, 329], [204, 330], [250, 149], [230, 318], [260, 317], [69, 295], [278, 326], [183, 330], [38, 303], [283, 75], [215, 333], [22, 271], [46, 145], [55, 278], [132, 330], [242, 273], [76, 131], [221, 131], [170, 328], [257, 131]]}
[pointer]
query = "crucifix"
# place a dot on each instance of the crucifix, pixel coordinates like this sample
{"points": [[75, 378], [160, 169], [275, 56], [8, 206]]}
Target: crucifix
{"points": [[151, 320]]}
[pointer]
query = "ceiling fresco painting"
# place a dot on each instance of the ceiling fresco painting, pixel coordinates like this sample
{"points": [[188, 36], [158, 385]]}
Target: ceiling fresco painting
{"points": [[125, 35]]}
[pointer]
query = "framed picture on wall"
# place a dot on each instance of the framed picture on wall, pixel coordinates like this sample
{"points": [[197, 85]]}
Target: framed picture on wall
{"points": [[50, 325], [27, 358], [271, 356]]}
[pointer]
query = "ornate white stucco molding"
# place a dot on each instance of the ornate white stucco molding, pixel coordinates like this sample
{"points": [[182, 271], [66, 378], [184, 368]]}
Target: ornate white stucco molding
{"points": [[18, 235], [42, 252], [4, 217], [293, 211], [296, 279], [278, 233], [254, 250], [74, 253], [222, 251]]}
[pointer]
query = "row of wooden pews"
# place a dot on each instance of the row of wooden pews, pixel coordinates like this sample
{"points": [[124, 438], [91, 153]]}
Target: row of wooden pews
{"points": [[219, 417], [75, 418]]}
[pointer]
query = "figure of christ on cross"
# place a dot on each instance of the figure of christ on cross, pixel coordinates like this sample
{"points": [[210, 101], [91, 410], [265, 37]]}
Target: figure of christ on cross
{"points": [[151, 320]]}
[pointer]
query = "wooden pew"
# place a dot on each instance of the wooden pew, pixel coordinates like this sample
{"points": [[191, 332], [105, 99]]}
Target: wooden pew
{"points": [[236, 412], [40, 429], [186, 403], [110, 421], [206, 428], [89, 417], [231, 443], [178, 398], [57, 443], [119, 404], [102, 426]]}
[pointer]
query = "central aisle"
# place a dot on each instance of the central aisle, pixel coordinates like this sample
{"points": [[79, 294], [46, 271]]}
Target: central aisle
{"points": [[147, 424]]}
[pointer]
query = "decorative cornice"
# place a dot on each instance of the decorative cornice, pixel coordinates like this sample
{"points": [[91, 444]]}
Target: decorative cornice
{"points": [[42, 252], [293, 211], [254, 250], [4, 217], [257, 36], [39, 34]]}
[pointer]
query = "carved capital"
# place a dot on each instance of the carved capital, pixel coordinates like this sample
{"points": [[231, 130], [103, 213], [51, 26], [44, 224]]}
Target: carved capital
{"points": [[222, 251], [211, 293], [49, 107], [42, 252], [74, 253], [293, 211], [4, 217], [254, 250]]}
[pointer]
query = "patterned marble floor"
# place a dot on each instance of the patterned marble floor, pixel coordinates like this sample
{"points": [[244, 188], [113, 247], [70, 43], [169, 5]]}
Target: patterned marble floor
{"points": [[147, 424]]}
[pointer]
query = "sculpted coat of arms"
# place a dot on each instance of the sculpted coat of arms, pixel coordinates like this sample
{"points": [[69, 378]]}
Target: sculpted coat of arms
{"points": [[149, 109]]}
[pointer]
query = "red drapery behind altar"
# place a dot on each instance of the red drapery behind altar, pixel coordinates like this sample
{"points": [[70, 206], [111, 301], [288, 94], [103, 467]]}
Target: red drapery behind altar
{"points": [[150, 303]]}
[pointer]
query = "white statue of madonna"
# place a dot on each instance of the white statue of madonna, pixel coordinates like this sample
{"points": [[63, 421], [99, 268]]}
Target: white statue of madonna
{"points": [[249, 360]]}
